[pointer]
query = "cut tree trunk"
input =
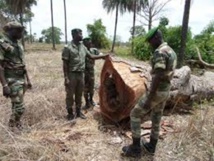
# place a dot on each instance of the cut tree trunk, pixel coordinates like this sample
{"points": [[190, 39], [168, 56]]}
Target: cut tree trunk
{"points": [[123, 84]]}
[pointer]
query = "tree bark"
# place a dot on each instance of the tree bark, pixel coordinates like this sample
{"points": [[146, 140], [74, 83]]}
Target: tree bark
{"points": [[31, 36], [115, 28], [184, 32], [133, 28], [66, 39], [52, 24], [122, 86]]}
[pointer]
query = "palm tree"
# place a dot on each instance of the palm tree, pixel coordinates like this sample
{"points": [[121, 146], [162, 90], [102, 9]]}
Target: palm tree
{"points": [[118, 5], [184, 32], [135, 6], [66, 40], [19, 7], [52, 24]]}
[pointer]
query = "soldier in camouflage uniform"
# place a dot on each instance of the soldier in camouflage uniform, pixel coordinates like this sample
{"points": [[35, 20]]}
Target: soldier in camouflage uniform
{"points": [[89, 75], [74, 56], [13, 74], [163, 64]]}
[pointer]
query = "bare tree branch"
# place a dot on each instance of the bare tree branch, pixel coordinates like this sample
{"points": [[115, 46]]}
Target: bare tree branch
{"points": [[203, 62], [152, 11]]}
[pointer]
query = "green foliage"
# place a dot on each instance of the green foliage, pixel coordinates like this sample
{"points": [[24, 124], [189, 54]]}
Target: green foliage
{"points": [[163, 25], [142, 49], [97, 33], [139, 31], [47, 35], [173, 38], [205, 42], [123, 51], [11, 8]]}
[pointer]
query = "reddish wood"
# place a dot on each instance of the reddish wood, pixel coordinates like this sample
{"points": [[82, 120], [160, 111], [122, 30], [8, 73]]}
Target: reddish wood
{"points": [[119, 90]]}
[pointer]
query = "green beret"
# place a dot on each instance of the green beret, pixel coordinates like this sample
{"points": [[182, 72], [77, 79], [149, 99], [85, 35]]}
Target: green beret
{"points": [[86, 39], [75, 31], [151, 33], [13, 24]]}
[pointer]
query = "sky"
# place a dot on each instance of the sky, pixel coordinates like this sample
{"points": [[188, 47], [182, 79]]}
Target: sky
{"points": [[83, 12]]}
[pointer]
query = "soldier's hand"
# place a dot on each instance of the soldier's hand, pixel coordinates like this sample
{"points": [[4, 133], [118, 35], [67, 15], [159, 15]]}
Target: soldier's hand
{"points": [[107, 56], [29, 85], [6, 91], [67, 82]]}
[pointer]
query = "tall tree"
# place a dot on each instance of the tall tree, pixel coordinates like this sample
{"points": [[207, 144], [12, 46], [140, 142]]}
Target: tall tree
{"points": [[97, 33], [20, 7], [119, 6], [135, 6], [47, 35], [52, 24], [27, 19], [65, 15], [184, 31], [152, 12]]}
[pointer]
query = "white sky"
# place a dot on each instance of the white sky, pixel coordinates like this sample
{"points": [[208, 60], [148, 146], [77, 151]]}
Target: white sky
{"points": [[83, 12]]}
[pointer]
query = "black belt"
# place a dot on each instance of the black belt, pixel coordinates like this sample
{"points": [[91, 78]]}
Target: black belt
{"points": [[77, 71]]}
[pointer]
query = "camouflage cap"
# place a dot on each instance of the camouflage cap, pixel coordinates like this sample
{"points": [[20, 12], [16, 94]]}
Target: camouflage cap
{"points": [[75, 31], [12, 24], [151, 33]]}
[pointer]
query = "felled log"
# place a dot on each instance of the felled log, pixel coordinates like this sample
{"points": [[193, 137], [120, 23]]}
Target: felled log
{"points": [[122, 86], [119, 90]]}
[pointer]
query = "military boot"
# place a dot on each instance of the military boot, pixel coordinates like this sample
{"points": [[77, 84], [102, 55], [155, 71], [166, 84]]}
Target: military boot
{"points": [[87, 103], [151, 145], [79, 113], [15, 122], [91, 100], [70, 115], [18, 121], [12, 123], [133, 150]]}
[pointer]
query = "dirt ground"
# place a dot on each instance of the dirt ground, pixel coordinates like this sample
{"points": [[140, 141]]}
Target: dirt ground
{"points": [[47, 135]]}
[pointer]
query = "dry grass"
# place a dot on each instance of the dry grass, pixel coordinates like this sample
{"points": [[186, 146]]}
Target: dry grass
{"points": [[47, 135]]}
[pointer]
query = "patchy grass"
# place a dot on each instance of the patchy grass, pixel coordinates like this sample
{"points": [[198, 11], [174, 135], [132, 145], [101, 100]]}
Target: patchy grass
{"points": [[47, 135]]}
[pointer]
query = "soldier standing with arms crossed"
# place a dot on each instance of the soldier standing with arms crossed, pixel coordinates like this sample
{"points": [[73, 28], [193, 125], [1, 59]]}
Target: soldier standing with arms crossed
{"points": [[163, 63], [13, 73]]}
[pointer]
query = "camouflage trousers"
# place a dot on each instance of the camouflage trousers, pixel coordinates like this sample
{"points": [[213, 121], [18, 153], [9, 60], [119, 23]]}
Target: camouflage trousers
{"points": [[157, 107], [74, 90], [89, 83], [17, 100]]}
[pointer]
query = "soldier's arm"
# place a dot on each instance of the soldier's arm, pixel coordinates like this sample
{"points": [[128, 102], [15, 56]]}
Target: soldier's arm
{"points": [[156, 80], [95, 57], [158, 71], [29, 85], [65, 59], [65, 68], [2, 77]]}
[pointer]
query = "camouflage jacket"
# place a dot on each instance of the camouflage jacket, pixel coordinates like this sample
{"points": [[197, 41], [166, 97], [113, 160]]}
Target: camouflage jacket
{"points": [[12, 57], [90, 62], [164, 58], [75, 55]]}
